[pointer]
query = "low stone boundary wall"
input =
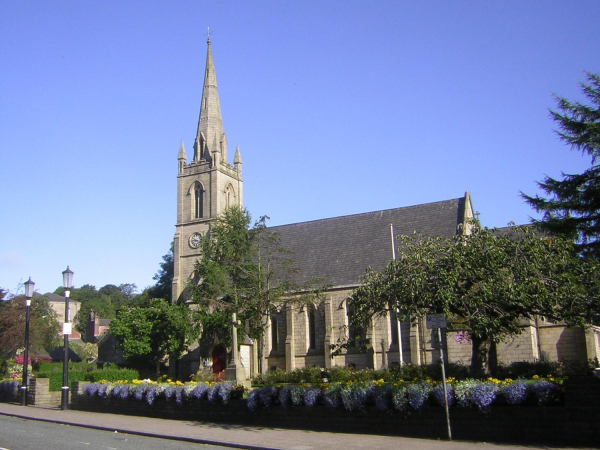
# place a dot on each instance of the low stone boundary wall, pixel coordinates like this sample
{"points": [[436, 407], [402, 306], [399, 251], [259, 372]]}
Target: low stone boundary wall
{"points": [[39, 394], [572, 424]]}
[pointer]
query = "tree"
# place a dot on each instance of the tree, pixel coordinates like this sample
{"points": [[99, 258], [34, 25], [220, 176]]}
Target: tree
{"points": [[164, 278], [243, 270], [43, 325], [485, 282], [147, 335], [573, 206]]}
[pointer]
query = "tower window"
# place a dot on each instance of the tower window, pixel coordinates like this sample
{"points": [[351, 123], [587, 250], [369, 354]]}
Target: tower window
{"points": [[205, 102], [198, 202]]}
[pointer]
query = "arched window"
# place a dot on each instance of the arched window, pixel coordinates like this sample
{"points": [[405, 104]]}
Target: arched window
{"points": [[274, 331], [312, 328], [394, 327], [198, 202], [229, 196]]}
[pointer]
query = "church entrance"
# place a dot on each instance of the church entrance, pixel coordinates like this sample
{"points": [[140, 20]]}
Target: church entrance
{"points": [[219, 356]]}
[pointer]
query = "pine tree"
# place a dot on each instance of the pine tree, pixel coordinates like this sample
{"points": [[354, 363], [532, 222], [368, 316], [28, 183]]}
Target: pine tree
{"points": [[573, 206]]}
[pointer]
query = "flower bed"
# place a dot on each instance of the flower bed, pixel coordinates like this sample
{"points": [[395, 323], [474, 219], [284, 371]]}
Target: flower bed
{"points": [[402, 397], [522, 411]]}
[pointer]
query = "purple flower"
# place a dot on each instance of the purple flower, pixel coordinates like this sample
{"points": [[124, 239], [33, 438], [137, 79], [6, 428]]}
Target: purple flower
{"points": [[381, 394], [400, 398], [139, 390], [213, 392], [169, 391], [297, 395], [253, 400], [311, 395], [199, 392], [284, 395], [417, 394], [90, 389], [438, 394], [103, 390], [484, 395], [515, 393], [544, 391], [150, 394], [225, 391], [179, 392], [266, 395], [331, 396]]}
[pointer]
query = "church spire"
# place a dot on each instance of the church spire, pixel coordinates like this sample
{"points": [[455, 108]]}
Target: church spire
{"points": [[210, 125]]}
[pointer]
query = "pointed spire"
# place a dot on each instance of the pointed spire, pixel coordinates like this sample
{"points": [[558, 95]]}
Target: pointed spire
{"points": [[237, 159], [181, 154], [210, 123]]}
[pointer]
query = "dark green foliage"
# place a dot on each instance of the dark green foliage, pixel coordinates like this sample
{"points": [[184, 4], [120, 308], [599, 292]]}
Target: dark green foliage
{"points": [[164, 278], [44, 327], [112, 375], [573, 206], [146, 335], [543, 368], [243, 270], [485, 282]]}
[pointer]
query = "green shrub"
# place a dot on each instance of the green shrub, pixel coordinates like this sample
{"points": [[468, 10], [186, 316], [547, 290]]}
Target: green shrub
{"points": [[112, 375], [56, 377]]}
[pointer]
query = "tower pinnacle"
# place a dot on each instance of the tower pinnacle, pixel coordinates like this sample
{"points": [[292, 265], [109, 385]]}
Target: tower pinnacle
{"points": [[210, 135]]}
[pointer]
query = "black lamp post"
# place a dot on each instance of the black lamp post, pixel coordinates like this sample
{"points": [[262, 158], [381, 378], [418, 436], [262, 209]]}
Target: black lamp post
{"points": [[29, 285], [67, 284]]}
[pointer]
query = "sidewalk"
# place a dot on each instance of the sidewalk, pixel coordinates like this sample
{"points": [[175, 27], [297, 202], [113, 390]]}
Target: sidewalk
{"points": [[235, 436]]}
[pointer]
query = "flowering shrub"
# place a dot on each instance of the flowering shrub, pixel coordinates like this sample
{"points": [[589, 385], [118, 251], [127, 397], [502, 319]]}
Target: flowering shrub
{"points": [[515, 393], [8, 389], [418, 394], [400, 396], [484, 395], [438, 394]]}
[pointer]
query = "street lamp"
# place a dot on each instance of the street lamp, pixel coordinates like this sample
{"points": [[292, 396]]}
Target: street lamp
{"points": [[29, 285], [67, 284]]}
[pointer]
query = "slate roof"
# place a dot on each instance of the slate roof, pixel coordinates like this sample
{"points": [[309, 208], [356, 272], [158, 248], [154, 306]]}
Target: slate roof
{"points": [[340, 249]]}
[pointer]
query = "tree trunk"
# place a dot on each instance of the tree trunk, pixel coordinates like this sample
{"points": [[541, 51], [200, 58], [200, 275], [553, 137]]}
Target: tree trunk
{"points": [[479, 359]]}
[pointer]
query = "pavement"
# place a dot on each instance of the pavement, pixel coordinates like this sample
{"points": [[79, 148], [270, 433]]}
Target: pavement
{"points": [[234, 436]]}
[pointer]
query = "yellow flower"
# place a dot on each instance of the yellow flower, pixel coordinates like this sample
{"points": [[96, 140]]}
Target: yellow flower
{"points": [[535, 377]]}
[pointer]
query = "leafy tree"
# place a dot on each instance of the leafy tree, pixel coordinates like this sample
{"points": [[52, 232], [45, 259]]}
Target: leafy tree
{"points": [[163, 278], [43, 325], [147, 335], [485, 282], [573, 206], [243, 270]]}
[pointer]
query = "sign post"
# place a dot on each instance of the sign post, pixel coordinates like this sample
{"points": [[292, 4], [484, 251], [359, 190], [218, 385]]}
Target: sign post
{"points": [[439, 321]]}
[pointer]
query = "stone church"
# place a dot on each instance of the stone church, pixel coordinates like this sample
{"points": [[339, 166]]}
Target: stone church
{"points": [[337, 250]]}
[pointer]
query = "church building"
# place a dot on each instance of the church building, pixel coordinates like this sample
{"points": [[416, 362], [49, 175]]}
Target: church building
{"points": [[337, 250]]}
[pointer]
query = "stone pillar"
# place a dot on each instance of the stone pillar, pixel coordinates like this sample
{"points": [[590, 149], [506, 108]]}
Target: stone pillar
{"points": [[328, 332], [592, 342], [290, 345], [415, 344], [235, 371]]}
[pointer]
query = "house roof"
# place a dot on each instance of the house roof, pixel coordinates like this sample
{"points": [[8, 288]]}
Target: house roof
{"points": [[340, 249]]}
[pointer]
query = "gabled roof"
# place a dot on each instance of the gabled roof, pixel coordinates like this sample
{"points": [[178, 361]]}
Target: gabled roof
{"points": [[340, 249]]}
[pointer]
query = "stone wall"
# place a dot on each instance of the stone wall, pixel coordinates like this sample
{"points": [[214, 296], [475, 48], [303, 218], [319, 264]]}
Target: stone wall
{"points": [[39, 394]]}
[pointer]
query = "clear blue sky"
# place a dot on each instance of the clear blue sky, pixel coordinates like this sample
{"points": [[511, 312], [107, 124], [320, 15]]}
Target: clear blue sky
{"points": [[339, 107]]}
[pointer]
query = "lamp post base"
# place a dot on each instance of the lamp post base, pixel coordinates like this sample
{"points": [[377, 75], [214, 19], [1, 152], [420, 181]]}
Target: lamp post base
{"points": [[64, 404], [23, 395]]}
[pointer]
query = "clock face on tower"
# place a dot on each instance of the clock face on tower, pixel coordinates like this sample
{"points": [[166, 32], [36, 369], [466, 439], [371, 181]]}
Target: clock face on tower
{"points": [[195, 240]]}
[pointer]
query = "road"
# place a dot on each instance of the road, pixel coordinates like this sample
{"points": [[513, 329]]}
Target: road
{"points": [[22, 434]]}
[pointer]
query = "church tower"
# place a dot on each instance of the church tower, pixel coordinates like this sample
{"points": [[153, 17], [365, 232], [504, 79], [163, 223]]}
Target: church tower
{"points": [[207, 185]]}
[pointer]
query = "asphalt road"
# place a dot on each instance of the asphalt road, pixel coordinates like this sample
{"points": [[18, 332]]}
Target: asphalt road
{"points": [[22, 434]]}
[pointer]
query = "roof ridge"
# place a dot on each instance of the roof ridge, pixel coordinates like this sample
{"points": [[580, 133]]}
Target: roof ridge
{"points": [[365, 213]]}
